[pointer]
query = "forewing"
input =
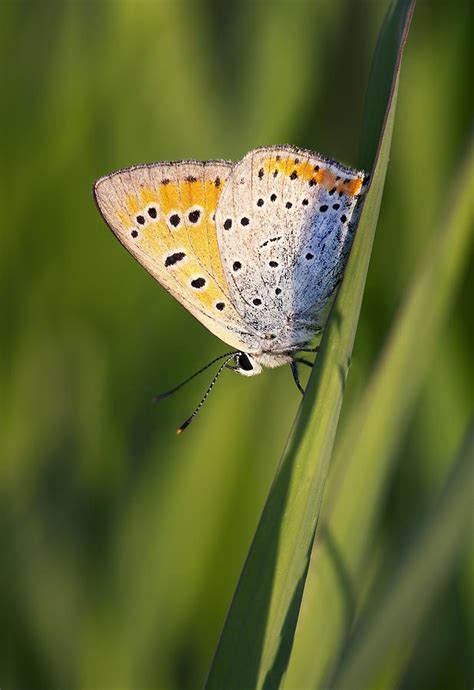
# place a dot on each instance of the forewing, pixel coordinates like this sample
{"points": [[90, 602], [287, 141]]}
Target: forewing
{"points": [[285, 224], [164, 214]]}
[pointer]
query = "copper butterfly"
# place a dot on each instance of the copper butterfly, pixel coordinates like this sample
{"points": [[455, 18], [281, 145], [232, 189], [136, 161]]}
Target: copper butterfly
{"points": [[253, 249]]}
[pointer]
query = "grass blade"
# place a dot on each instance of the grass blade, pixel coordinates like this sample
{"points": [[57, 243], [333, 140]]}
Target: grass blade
{"points": [[365, 455], [256, 642], [386, 632]]}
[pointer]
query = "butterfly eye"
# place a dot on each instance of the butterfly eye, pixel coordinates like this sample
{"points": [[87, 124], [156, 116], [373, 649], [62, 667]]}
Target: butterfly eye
{"points": [[244, 362]]}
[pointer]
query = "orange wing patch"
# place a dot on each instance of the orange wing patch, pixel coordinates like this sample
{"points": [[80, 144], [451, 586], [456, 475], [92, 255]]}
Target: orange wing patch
{"points": [[289, 166], [173, 221], [321, 174], [350, 187]]}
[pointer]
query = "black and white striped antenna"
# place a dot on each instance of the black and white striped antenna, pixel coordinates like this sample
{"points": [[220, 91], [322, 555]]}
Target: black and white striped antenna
{"points": [[228, 356]]}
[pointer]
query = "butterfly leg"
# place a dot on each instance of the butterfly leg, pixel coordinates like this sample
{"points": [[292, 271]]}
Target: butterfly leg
{"points": [[301, 360], [296, 378]]}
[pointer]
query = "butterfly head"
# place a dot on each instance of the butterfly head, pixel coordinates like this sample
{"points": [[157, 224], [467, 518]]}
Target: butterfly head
{"points": [[246, 365]]}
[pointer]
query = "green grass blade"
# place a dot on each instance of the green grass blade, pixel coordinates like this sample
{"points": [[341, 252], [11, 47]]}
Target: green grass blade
{"points": [[386, 632], [256, 642], [387, 58], [364, 457]]}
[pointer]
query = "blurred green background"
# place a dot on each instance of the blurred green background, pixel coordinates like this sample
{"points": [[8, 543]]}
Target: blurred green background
{"points": [[121, 544]]}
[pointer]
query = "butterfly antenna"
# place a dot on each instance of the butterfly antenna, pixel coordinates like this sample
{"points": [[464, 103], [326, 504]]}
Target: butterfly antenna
{"points": [[162, 396], [188, 421]]}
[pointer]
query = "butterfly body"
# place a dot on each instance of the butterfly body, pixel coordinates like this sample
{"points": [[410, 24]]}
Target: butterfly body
{"points": [[254, 250]]}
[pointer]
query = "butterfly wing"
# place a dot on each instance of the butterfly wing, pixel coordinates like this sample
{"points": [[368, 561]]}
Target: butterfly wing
{"points": [[285, 224], [164, 214]]}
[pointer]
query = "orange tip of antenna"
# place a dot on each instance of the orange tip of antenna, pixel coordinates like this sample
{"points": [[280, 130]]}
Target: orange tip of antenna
{"points": [[183, 426]]}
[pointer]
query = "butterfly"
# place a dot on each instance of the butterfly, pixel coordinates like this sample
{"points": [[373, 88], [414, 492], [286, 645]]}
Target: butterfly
{"points": [[254, 249]]}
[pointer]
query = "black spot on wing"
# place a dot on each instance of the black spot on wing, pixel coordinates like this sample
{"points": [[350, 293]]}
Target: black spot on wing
{"points": [[194, 216], [173, 259], [198, 283]]}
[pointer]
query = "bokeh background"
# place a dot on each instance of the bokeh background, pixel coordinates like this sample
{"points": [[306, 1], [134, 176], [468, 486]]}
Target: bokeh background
{"points": [[121, 544]]}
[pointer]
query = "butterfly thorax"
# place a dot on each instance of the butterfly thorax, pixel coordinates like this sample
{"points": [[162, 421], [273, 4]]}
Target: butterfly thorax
{"points": [[271, 360]]}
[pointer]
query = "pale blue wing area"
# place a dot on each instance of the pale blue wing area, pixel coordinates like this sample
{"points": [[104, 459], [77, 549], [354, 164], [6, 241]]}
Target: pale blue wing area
{"points": [[285, 224]]}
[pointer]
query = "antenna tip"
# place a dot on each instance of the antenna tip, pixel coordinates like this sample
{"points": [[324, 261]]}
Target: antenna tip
{"points": [[183, 426], [160, 396]]}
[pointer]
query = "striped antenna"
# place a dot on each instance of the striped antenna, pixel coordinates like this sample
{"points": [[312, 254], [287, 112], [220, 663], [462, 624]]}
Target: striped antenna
{"points": [[166, 394], [232, 356]]}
